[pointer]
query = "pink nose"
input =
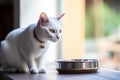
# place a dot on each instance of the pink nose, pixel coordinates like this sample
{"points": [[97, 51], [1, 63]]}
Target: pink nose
{"points": [[57, 37]]}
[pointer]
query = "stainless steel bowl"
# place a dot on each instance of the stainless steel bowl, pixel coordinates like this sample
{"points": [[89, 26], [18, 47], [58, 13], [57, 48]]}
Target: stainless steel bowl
{"points": [[77, 65]]}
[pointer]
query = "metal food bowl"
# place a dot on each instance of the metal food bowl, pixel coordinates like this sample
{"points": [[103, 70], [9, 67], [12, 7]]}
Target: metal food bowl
{"points": [[77, 66]]}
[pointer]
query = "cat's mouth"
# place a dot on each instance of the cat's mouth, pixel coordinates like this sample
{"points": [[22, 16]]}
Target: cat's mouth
{"points": [[54, 40]]}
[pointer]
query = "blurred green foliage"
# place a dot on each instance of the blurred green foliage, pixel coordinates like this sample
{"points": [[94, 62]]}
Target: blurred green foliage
{"points": [[111, 21]]}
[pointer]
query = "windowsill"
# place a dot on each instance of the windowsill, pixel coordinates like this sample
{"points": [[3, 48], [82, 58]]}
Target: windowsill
{"points": [[102, 74]]}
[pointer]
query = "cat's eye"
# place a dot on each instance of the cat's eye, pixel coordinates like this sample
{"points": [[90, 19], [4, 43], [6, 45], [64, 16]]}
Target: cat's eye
{"points": [[52, 30], [60, 31]]}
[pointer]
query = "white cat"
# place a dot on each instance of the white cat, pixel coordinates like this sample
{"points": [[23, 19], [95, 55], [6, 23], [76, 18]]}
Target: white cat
{"points": [[24, 48]]}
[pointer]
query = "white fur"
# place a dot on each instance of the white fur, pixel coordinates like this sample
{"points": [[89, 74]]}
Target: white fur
{"points": [[21, 51]]}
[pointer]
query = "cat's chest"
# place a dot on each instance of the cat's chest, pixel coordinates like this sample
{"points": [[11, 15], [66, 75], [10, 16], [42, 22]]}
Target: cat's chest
{"points": [[39, 49], [40, 46]]}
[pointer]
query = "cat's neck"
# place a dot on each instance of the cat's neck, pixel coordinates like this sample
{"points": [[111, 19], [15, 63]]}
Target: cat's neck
{"points": [[35, 36], [36, 33]]}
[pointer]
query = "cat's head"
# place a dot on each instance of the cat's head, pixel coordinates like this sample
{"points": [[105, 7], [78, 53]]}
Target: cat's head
{"points": [[50, 28]]}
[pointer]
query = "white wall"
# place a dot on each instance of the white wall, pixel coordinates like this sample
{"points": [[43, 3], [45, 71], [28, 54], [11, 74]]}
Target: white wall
{"points": [[31, 9], [29, 13]]}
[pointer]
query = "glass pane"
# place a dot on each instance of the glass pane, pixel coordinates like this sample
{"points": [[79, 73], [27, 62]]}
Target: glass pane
{"points": [[103, 31]]}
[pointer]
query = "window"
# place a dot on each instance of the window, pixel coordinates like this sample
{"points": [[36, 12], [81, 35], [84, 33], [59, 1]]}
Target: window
{"points": [[102, 31]]}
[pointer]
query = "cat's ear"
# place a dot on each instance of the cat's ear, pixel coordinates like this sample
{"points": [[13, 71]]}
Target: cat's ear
{"points": [[43, 19], [59, 17]]}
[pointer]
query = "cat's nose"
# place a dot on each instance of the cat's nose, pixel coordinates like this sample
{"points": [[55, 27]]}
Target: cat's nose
{"points": [[58, 37]]}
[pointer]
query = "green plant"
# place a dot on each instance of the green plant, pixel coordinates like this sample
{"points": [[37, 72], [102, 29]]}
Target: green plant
{"points": [[110, 17]]}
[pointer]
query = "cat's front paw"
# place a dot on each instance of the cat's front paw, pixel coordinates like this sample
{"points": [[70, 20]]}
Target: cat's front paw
{"points": [[34, 71], [41, 70]]}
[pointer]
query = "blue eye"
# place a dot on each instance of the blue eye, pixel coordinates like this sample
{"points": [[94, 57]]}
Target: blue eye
{"points": [[52, 30]]}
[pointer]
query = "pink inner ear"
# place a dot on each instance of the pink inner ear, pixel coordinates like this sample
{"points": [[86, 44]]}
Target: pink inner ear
{"points": [[59, 17], [43, 19]]}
